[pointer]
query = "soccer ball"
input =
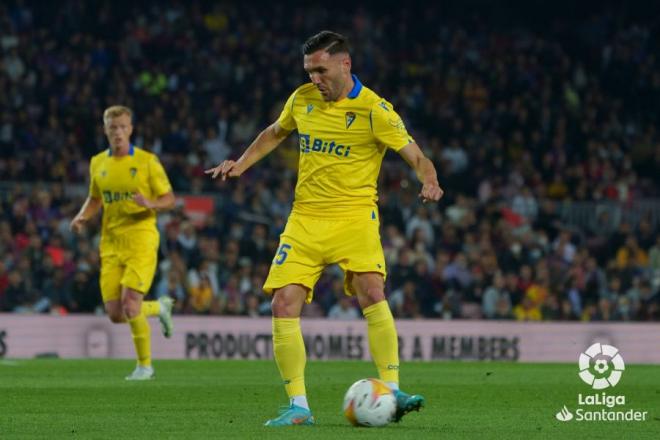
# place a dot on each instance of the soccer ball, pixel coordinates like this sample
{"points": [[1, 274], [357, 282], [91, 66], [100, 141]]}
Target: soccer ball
{"points": [[369, 402]]}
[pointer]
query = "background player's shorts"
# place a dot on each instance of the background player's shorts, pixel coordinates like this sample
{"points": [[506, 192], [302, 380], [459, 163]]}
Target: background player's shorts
{"points": [[309, 243], [129, 260]]}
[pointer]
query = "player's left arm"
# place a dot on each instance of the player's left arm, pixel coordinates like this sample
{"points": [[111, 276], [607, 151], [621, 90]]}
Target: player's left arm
{"points": [[389, 130], [160, 203], [160, 185], [425, 171]]}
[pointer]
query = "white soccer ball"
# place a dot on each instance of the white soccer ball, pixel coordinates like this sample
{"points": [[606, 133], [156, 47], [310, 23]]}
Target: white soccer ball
{"points": [[369, 402]]}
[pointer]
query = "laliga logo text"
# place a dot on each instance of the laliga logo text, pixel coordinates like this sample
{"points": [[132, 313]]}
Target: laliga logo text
{"points": [[601, 366]]}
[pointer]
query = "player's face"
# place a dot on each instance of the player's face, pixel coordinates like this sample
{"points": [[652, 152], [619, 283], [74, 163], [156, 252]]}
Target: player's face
{"points": [[118, 130], [329, 73]]}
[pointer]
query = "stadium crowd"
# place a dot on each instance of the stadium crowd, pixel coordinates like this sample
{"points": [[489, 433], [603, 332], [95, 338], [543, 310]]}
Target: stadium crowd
{"points": [[517, 119]]}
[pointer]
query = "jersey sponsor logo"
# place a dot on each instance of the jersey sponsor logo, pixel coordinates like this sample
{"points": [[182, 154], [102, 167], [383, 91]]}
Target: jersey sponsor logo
{"points": [[104, 173], [310, 107], [133, 172], [316, 145], [350, 118], [117, 196]]}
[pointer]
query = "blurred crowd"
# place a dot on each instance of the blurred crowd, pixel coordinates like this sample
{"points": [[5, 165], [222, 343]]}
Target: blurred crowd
{"points": [[517, 119]]}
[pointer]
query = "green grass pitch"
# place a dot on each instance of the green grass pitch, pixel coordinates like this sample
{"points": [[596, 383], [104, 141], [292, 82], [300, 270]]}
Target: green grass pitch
{"points": [[231, 399]]}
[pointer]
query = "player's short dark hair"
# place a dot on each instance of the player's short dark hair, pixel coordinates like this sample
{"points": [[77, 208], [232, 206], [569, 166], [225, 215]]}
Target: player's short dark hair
{"points": [[331, 42]]}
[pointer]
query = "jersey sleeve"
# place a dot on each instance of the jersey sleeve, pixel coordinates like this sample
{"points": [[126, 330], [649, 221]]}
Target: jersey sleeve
{"points": [[286, 119], [158, 180], [387, 126], [94, 190]]}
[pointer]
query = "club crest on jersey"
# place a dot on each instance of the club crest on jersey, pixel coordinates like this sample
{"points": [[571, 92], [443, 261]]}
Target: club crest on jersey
{"points": [[133, 172], [350, 118], [310, 107]]}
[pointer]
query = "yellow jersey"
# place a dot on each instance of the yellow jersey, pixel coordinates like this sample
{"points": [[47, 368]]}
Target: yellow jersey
{"points": [[115, 180], [342, 145]]}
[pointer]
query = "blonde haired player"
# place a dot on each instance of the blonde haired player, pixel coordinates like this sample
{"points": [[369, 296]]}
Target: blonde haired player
{"points": [[130, 185], [344, 130]]}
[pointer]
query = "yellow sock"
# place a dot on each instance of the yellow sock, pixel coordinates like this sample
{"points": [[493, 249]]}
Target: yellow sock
{"points": [[290, 356], [383, 342], [141, 339], [150, 308]]}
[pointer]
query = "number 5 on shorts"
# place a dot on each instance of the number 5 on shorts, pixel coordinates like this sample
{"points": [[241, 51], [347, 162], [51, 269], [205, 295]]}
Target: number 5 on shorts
{"points": [[282, 254]]}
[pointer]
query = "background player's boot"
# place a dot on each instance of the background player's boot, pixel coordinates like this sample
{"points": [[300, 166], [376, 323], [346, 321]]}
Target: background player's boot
{"points": [[406, 403], [165, 316], [141, 373], [292, 415]]}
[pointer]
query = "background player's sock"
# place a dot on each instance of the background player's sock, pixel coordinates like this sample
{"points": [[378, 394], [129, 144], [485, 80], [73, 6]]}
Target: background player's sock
{"points": [[383, 342], [141, 339], [290, 356], [150, 308], [300, 401]]}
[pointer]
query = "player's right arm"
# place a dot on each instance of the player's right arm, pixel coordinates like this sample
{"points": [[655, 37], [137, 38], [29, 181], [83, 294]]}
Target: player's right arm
{"points": [[89, 209], [265, 142], [91, 206]]}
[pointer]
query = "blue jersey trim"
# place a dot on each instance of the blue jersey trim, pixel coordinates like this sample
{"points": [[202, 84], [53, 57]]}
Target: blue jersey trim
{"points": [[131, 150], [357, 88]]}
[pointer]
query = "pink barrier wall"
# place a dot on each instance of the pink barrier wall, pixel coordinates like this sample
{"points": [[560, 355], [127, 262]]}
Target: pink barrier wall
{"points": [[248, 338]]}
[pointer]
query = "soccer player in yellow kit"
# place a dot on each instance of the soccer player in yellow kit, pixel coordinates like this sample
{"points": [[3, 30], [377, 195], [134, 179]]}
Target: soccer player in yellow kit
{"points": [[130, 185], [344, 130]]}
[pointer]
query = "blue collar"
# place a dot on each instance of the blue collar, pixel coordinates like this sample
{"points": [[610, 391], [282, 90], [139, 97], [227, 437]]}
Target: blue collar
{"points": [[357, 88], [131, 150]]}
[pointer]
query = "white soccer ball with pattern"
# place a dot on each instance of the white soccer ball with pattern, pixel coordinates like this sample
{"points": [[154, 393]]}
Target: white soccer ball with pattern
{"points": [[369, 402]]}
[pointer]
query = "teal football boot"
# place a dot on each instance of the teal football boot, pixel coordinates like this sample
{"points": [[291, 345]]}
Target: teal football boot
{"points": [[292, 415], [406, 403]]}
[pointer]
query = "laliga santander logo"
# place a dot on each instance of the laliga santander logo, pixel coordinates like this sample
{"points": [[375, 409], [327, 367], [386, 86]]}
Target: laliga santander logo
{"points": [[601, 366]]}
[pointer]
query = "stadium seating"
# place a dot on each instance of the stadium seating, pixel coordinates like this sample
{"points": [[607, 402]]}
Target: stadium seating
{"points": [[545, 139]]}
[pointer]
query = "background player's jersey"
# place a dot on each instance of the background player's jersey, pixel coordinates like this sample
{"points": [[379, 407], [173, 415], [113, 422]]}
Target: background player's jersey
{"points": [[115, 180], [342, 145]]}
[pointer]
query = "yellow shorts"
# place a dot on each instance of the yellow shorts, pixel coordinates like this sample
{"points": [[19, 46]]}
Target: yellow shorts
{"points": [[309, 244], [128, 261]]}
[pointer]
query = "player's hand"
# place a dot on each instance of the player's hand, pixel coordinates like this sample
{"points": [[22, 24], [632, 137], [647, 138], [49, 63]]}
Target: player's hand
{"points": [[141, 200], [77, 224], [431, 192], [227, 168]]}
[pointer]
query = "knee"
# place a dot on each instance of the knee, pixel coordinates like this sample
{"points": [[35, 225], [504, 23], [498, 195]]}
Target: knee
{"points": [[376, 294], [116, 316], [130, 308], [288, 301], [373, 295], [283, 306], [114, 312], [279, 306]]}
